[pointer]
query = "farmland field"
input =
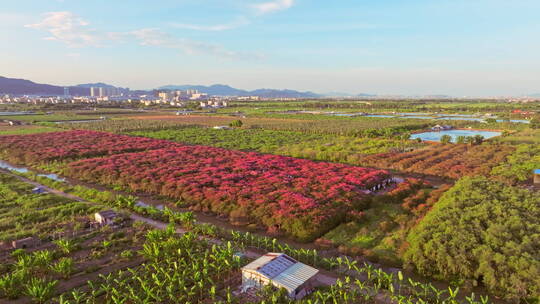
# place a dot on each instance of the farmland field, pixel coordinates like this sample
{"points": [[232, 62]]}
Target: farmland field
{"points": [[452, 161], [345, 149], [21, 130], [65, 250], [301, 198], [238, 139], [348, 207], [305, 198], [23, 214], [37, 148]]}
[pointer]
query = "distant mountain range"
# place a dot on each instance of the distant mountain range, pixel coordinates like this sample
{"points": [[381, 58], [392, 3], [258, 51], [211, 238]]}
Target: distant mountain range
{"points": [[225, 90], [342, 94], [27, 87], [95, 85]]}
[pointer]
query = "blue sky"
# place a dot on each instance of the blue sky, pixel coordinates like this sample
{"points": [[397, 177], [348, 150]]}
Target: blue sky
{"points": [[456, 47]]}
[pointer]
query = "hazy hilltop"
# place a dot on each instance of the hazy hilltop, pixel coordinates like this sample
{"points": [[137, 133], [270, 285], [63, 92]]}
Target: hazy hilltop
{"points": [[225, 90], [27, 87]]}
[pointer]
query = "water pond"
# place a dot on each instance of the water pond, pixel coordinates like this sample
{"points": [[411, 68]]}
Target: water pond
{"points": [[345, 114], [15, 113], [4, 165], [461, 118], [417, 117], [145, 205], [436, 135], [380, 115]]}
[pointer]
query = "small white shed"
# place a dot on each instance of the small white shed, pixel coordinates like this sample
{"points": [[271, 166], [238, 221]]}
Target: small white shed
{"points": [[105, 217], [282, 271]]}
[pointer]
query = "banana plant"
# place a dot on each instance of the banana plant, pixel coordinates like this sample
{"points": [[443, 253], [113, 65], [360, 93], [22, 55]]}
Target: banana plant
{"points": [[40, 290], [63, 267], [65, 245]]}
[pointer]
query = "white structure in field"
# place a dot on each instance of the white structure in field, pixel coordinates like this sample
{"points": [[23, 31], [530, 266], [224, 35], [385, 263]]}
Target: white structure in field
{"points": [[105, 217], [282, 271]]}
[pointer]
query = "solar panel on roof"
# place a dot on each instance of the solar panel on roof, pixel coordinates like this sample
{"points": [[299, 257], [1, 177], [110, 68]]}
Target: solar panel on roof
{"points": [[276, 266]]}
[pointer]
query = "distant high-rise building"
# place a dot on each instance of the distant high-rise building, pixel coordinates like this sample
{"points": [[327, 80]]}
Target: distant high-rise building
{"points": [[93, 92], [66, 92], [107, 91]]}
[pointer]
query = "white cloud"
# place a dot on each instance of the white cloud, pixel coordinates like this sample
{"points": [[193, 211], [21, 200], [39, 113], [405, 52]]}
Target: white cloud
{"points": [[257, 9], [241, 21], [68, 28], [73, 31], [272, 6], [157, 38]]}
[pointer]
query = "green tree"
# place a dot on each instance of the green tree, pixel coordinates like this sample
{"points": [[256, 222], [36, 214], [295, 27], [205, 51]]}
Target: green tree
{"points": [[478, 139], [535, 122], [445, 139], [481, 230]]}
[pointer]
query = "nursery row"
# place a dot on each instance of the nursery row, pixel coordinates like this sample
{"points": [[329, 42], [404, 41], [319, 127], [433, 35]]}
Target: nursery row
{"points": [[300, 197], [453, 161], [24, 214], [34, 148], [237, 139]]}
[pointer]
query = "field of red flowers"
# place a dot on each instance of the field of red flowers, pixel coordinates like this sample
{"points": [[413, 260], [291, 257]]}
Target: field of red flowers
{"points": [[34, 148], [453, 161], [299, 197]]}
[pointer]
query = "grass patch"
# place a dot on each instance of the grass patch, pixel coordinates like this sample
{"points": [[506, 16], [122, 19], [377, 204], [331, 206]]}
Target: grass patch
{"points": [[23, 130]]}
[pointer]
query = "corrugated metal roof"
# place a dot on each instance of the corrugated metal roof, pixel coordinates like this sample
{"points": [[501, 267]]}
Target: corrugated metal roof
{"points": [[295, 276], [283, 270], [107, 214], [263, 260]]}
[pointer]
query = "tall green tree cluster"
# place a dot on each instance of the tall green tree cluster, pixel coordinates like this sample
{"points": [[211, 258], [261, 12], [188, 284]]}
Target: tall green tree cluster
{"points": [[519, 166], [482, 230]]}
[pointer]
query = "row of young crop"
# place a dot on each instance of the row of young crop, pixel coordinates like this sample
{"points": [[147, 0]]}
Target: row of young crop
{"points": [[24, 214], [177, 269], [63, 245], [453, 161], [187, 269], [237, 139]]}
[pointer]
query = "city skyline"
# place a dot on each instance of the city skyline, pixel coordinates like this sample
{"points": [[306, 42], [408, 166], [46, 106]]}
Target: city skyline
{"points": [[474, 48]]}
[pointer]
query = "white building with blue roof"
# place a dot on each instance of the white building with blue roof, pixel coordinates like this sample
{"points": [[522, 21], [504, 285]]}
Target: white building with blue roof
{"points": [[281, 271]]}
